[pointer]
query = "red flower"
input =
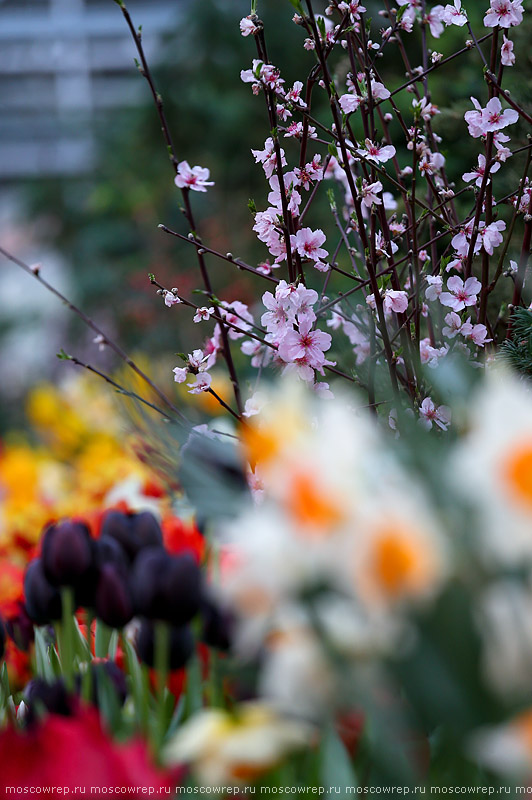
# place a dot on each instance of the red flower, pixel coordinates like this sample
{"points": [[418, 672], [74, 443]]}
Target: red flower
{"points": [[181, 537], [75, 751]]}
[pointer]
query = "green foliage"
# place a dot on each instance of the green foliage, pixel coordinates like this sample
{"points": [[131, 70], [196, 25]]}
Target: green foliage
{"points": [[517, 350]]}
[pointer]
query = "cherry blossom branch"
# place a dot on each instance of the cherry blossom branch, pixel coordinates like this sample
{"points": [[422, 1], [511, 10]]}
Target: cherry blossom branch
{"points": [[35, 273], [185, 192]]}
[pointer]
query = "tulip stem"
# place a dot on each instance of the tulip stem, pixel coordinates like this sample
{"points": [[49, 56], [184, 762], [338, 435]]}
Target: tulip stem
{"points": [[161, 662], [65, 636]]}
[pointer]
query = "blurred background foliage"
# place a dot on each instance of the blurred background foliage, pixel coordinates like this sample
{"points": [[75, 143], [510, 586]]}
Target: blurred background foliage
{"points": [[105, 223]]}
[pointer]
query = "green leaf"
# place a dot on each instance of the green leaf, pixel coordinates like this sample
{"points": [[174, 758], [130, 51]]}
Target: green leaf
{"points": [[102, 639], [336, 768], [252, 206], [5, 691], [138, 685], [62, 356], [298, 7], [331, 147], [44, 667]]}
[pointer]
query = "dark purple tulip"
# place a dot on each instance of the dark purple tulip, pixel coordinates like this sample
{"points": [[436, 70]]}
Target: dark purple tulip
{"points": [[67, 553], [147, 579], [181, 645], [20, 628], [134, 532], [217, 625], [113, 596], [108, 550], [53, 697], [42, 600], [105, 672], [167, 587]]}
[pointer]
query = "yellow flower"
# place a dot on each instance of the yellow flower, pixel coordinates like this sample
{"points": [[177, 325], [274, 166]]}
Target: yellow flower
{"points": [[235, 749]]}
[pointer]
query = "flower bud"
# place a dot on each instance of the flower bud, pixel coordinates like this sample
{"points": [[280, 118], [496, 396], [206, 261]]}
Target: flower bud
{"points": [[217, 625], [39, 695], [181, 645], [113, 596], [105, 673], [133, 531], [20, 628], [66, 552], [43, 601]]}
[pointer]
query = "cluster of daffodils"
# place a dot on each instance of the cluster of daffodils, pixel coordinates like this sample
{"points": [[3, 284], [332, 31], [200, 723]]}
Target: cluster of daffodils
{"points": [[345, 547], [340, 544]]}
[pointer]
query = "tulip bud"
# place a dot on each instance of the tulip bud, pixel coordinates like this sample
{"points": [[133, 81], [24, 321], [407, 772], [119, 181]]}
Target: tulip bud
{"points": [[113, 597], [53, 697], [105, 672], [43, 601], [133, 531], [167, 587], [181, 645], [20, 628], [217, 625], [66, 552]]}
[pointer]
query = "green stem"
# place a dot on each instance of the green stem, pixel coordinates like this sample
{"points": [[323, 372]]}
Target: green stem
{"points": [[161, 661], [66, 639]]}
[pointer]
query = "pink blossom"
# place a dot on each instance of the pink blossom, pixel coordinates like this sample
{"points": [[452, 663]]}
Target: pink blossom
{"points": [[280, 312], [476, 333], [368, 193], [396, 301], [195, 178], [171, 299], [375, 152], [494, 118], [474, 120], [425, 109], [379, 91], [460, 294], [491, 235], [429, 414], [350, 102], [434, 19], [430, 355], [454, 325], [507, 52], [504, 13], [260, 354], [296, 130], [302, 301], [293, 95], [203, 314], [247, 26], [435, 286], [180, 374], [202, 383], [306, 345], [292, 195], [268, 157], [477, 174], [307, 243], [354, 7], [454, 14], [265, 222], [236, 313], [310, 172]]}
